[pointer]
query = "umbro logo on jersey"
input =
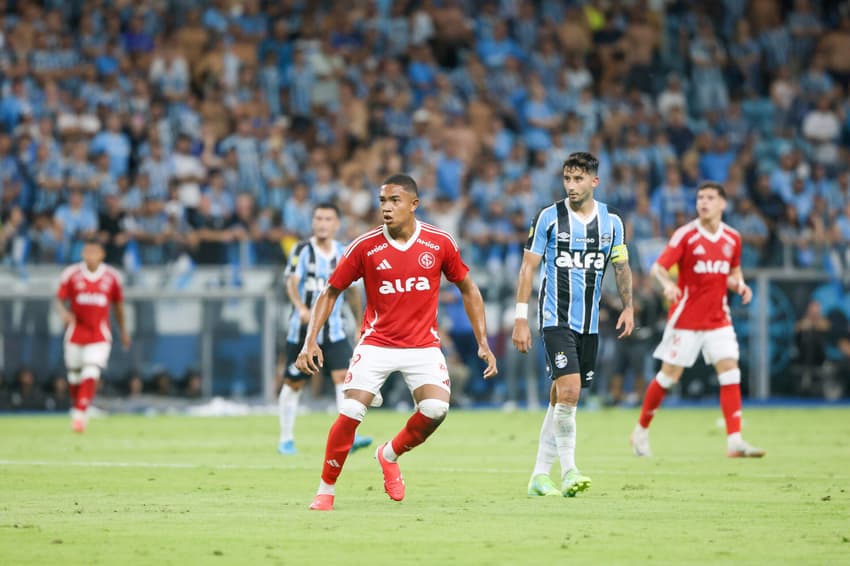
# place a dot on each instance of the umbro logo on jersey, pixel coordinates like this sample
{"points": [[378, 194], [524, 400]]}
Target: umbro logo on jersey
{"points": [[699, 250], [384, 265]]}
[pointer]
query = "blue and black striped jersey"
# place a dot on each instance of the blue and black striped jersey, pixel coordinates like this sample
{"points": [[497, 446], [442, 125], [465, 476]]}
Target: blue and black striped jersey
{"points": [[575, 254]]}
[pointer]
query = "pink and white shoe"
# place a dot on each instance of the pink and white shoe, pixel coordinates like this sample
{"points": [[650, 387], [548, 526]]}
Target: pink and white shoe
{"points": [[322, 502], [393, 482]]}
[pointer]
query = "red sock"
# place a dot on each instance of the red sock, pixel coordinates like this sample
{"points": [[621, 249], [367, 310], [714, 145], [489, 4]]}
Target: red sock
{"points": [[651, 401], [730, 404], [418, 428], [340, 439], [85, 394], [74, 392]]}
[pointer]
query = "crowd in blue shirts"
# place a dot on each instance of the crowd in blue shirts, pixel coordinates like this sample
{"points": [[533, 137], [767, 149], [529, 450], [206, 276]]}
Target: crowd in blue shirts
{"points": [[209, 128]]}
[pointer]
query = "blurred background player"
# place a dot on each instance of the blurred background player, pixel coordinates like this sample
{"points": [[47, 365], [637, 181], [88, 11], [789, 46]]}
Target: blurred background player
{"points": [[310, 265], [401, 264], [707, 254], [575, 238], [90, 287]]}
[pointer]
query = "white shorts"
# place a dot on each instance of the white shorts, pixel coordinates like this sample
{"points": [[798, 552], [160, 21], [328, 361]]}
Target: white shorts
{"points": [[371, 365], [681, 347], [79, 355]]}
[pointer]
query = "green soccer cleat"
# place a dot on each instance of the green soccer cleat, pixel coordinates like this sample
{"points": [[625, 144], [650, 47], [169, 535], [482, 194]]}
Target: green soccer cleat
{"points": [[542, 484], [574, 483]]}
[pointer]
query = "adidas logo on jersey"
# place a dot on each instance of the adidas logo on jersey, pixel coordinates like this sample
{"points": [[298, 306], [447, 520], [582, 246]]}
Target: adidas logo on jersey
{"points": [[699, 250], [384, 265]]}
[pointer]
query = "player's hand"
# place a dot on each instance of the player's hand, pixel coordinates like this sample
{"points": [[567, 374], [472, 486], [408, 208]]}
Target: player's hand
{"points": [[304, 313], [125, 340], [746, 293], [672, 292], [627, 322], [310, 359], [489, 358], [522, 335]]}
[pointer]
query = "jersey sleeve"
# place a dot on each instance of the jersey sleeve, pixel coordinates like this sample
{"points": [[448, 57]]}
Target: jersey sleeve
{"points": [[295, 265], [348, 270], [619, 250], [736, 255], [63, 293], [453, 267], [671, 254], [117, 293], [537, 236]]}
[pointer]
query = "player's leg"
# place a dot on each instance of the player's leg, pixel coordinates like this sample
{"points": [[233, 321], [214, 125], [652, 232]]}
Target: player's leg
{"points": [[721, 350], [74, 364], [369, 369], [287, 400], [94, 358], [547, 451], [337, 355], [678, 349]]}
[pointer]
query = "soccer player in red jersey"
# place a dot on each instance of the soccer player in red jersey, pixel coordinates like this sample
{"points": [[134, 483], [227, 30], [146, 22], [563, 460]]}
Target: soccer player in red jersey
{"points": [[401, 263], [707, 253], [90, 287]]}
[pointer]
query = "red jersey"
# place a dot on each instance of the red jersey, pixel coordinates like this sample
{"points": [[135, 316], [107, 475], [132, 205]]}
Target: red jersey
{"points": [[704, 262], [90, 294], [402, 283]]}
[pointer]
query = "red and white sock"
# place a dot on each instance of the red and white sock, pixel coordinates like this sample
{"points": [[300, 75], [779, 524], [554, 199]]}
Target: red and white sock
{"points": [[654, 396], [340, 440], [730, 399], [417, 429]]}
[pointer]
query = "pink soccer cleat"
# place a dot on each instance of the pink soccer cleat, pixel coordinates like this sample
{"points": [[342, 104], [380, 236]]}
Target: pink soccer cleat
{"points": [[393, 482], [78, 425], [322, 502]]}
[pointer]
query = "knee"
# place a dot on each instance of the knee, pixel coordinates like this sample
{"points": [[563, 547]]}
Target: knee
{"points": [[353, 409], [568, 393], [74, 376], [729, 377], [90, 371], [434, 409]]}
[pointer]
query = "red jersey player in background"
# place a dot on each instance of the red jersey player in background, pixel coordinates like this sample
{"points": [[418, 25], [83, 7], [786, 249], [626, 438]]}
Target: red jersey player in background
{"points": [[401, 264], [90, 287], [708, 255]]}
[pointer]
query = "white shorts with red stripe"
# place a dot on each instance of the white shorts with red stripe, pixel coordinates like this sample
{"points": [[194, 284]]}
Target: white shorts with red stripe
{"points": [[681, 347], [371, 365]]}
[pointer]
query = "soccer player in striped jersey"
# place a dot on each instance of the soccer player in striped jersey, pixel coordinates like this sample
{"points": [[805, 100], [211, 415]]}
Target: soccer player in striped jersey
{"points": [[571, 241], [310, 266], [707, 253]]}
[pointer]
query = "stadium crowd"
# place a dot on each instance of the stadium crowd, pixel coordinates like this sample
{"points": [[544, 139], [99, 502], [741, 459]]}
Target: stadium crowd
{"points": [[209, 129]]}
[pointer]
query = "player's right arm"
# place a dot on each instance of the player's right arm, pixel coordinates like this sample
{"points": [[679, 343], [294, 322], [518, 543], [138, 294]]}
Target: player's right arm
{"points": [[62, 295], [310, 359], [522, 333], [670, 256], [292, 292]]}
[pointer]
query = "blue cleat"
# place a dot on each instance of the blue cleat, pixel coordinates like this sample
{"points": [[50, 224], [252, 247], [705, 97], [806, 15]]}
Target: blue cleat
{"points": [[287, 448], [360, 442]]}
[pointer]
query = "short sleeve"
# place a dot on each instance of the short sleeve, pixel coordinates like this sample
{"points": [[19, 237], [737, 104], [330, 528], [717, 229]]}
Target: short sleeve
{"points": [[63, 293], [117, 291], [671, 254], [537, 236], [295, 265], [453, 267], [349, 269], [619, 251], [736, 255]]}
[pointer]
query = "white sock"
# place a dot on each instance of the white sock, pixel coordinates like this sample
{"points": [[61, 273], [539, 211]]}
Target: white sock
{"points": [[287, 406], [734, 438], [340, 395], [326, 488], [389, 453], [565, 435], [547, 450]]}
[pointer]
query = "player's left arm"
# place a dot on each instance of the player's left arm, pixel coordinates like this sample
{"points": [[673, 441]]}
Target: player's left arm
{"points": [[118, 307], [354, 297], [735, 282], [473, 303]]}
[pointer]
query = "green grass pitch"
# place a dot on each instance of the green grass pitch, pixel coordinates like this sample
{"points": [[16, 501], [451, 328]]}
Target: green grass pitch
{"points": [[180, 490]]}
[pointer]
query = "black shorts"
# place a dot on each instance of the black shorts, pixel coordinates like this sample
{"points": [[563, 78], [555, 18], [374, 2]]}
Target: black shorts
{"points": [[336, 354], [568, 352]]}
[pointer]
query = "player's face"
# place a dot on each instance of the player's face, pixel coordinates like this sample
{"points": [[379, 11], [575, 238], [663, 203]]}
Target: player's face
{"points": [[92, 256], [710, 205], [325, 223], [397, 206], [579, 185]]}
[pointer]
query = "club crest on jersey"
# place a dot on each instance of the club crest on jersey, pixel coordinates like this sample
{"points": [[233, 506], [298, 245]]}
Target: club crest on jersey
{"points": [[404, 285], [605, 239], [727, 250], [427, 260], [560, 360]]}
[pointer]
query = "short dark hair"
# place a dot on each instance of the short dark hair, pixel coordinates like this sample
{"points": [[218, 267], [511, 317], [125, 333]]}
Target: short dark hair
{"points": [[705, 185], [92, 241], [582, 161], [406, 182], [327, 206]]}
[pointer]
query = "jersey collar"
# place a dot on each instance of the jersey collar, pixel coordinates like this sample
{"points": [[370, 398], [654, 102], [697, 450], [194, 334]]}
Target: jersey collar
{"points": [[406, 246], [590, 216], [713, 238], [321, 252], [92, 275]]}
